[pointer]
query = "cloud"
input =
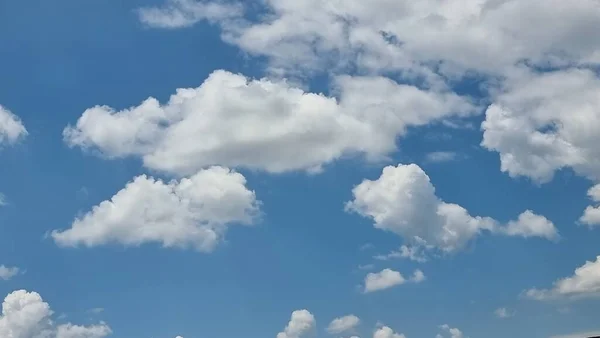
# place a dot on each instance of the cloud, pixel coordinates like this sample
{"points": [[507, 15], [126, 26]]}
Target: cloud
{"points": [[267, 125], [7, 273], [387, 332], [585, 282], [543, 122], [579, 335], [387, 278], [529, 224], [441, 156], [416, 252], [26, 315], [301, 323], [402, 200], [591, 215], [185, 13], [11, 127], [504, 313], [192, 212], [454, 332], [343, 324], [446, 36]]}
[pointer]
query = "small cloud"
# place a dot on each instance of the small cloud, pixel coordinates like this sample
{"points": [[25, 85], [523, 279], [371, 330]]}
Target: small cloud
{"points": [[7, 273], [366, 267], [343, 324], [388, 278], [504, 313], [3, 201], [441, 156], [96, 310], [366, 246]]}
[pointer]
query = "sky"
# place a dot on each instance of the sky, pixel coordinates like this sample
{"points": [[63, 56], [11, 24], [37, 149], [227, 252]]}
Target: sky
{"points": [[299, 168]]}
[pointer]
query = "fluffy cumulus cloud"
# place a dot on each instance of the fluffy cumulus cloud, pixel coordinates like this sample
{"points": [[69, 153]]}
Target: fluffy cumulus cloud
{"points": [[387, 332], [301, 324], [542, 122], [343, 324], [11, 127], [402, 200], [584, 283], [8, 272], [591, 214], [387, 278], [192, 212], [452, 36], [26, 315], [452, 332], [269, 125]]}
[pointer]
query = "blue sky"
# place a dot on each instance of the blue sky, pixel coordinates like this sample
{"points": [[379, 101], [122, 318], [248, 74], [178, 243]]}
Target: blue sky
{"points": [[256, 203]]}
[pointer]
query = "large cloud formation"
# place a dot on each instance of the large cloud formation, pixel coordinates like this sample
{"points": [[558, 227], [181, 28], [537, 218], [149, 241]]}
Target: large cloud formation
{"points": [[26, 315], [448, 36], [403, 201], [268, 125], [192, 212]]}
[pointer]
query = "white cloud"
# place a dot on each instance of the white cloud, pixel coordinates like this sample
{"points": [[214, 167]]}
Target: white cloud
{"points": [[541, 123], [11, 127], [416, 252], [485, 35], [387, 332], [301, 323], [185, 13], [387, 278], [7, 272], [193, 212], [441, 156], [26, 315], [454, 332], [529, 224], [579, 335], [591, 214], [585, 282], [343, 324], [402, 200], [504, 313], [234, 121]]}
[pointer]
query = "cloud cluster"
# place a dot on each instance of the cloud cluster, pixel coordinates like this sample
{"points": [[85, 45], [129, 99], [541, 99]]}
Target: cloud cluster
{"points": [[591, 214], [26, 315], [449, 37], [343, 324], [403, 201]]}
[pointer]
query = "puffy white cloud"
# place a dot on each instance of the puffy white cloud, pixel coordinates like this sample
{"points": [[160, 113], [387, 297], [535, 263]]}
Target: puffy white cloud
{"points": [[454, 332], [192, 212], [504, 313], [26, 315], [529, 224], [402, 200], [343, 324], [585, 282], [542, 122], [301, 323], [387, 332], [11, 127], [185, 13], [7, 272], [264, 124], [387, 278], [591, 214], [455, 35]]}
